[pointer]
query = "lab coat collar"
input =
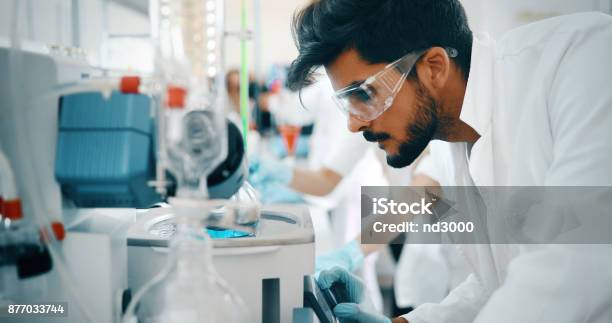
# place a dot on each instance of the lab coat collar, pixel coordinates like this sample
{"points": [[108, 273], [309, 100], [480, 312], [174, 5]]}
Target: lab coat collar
{"points": [[477, 108], [478, 98]]}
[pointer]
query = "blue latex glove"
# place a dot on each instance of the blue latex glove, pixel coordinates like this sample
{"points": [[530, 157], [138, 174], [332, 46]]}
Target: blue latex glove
{"points": [[275, 192], [264, 170], [348, 290], [349, 257], [355, 313]]}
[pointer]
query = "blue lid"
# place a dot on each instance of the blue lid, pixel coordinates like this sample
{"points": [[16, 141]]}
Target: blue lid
{"points": [[90, 111]]}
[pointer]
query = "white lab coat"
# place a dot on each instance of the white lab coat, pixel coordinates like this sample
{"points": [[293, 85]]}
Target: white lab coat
{"points": [[426, 273], [541, 100]]}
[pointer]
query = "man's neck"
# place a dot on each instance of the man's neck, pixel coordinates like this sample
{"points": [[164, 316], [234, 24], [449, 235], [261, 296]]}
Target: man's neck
{"points": [[451, 127], [462, 132], [457, 131]]}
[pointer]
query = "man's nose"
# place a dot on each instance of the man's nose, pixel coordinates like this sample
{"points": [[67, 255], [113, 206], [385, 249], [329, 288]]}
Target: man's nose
{"points": [[356, 125]]}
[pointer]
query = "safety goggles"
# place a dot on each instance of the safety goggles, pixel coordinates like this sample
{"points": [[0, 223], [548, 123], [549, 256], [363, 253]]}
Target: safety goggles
{"points": [[369, 99]]}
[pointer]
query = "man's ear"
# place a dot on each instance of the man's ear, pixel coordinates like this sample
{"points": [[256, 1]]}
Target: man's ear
{"points": [[434, 69]]}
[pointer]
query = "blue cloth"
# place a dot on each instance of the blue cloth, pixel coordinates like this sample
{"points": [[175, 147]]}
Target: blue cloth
{"points": [[274, 193], [271, 179], [264, 170], [349, 257]]}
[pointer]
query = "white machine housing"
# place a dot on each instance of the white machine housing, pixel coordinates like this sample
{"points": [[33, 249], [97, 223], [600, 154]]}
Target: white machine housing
{"points": [[267, 270], [95, 258]]}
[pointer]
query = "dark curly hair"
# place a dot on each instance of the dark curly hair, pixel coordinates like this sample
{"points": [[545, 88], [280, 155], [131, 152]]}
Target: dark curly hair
{"points": [[379, 30]]}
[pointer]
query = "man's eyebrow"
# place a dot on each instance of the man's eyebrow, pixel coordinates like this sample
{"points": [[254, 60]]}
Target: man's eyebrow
{"points": [[352, 85]]}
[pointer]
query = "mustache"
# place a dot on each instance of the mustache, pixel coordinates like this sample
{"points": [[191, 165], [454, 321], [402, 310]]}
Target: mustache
{"points": [[375, 136]]}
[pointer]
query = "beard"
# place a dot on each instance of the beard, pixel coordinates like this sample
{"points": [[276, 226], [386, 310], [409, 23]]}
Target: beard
{"points": [[419, 133]]}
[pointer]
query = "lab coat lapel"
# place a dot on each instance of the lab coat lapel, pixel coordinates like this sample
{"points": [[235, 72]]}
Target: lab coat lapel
{"points": [[477, 106], [486, 165]]}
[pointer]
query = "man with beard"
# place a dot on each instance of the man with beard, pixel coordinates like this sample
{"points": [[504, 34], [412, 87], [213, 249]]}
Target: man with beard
{"points": [[533, 109]]}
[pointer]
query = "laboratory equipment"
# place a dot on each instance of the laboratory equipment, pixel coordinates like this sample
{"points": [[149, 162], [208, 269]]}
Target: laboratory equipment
{"points": [[188, 289], [192, 141], [49, 143], [89, 146], [22, 253], [290, 135], [105, 150], [106, 153], [322, 301], [28, 136], [21, 249], [262, 267], [290, 117]]}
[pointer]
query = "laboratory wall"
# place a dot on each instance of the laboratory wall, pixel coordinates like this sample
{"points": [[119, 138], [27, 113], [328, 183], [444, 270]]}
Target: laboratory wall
{"points": [[493, 16], [499, 16], [56, 22], [275, 44]]}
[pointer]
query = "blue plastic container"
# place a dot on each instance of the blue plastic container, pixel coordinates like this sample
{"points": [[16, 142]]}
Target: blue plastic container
{"points": [[105, 150]]}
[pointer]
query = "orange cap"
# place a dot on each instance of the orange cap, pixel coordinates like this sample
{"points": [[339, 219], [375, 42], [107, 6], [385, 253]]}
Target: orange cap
{"points": [[129, 84], [11, 209], [58, 230], [176, 97]]}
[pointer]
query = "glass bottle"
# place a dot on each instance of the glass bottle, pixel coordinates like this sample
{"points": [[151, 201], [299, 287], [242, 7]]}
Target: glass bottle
{"points": [[188, 289]]}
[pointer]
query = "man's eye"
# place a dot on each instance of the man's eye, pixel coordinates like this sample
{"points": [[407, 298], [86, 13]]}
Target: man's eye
{"points": [[371, 89], [360, 96]]}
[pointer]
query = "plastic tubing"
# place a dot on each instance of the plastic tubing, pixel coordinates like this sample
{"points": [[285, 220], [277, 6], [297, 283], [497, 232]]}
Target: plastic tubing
{"points": [[24, 148], [8, 190]]}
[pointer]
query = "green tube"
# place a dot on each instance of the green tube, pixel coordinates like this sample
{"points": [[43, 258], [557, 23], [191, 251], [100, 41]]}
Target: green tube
{"points": [[244, 75]]}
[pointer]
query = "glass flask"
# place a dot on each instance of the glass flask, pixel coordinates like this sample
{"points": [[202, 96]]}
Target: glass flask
{"points": [[188, 289]]}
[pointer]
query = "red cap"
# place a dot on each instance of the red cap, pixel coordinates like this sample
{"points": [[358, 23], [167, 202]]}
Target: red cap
{"points": [[11, 209], [176, 97], [58, 230], [129, 84]]}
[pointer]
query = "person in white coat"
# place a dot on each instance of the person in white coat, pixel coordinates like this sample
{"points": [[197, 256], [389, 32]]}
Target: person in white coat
{"points": [[339, 162], [426, 273], [533, 108]]}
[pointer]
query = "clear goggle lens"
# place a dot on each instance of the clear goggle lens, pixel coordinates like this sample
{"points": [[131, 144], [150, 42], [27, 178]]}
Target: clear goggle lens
{"points": [[367, 101]]}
